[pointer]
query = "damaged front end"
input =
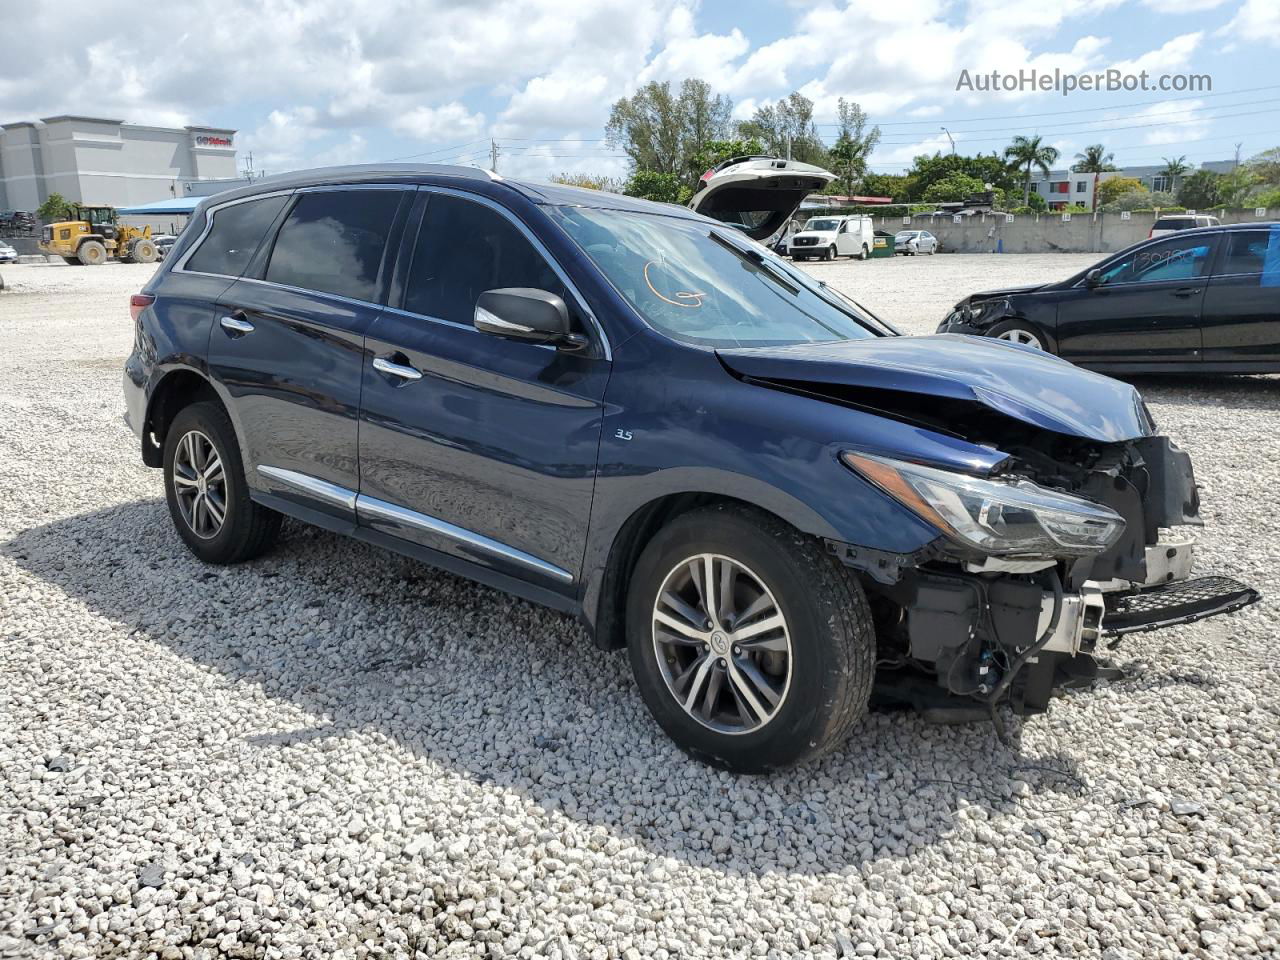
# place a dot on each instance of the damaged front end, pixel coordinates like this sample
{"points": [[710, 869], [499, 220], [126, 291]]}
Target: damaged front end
{"points": [[1064, 548], [1061, 514]]}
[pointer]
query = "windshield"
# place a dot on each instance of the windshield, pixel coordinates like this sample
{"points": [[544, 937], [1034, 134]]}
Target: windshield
{"points": [[824, 224], [697, 283]]}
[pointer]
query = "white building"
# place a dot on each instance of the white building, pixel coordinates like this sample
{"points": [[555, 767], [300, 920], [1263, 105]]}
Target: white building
{"points": [[107, 162], [1065, 188]]}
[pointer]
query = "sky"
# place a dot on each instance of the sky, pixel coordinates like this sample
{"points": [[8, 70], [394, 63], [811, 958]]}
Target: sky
{"points": [[351, 81]]}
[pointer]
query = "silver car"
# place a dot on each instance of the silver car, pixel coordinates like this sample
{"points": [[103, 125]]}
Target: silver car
{"points": [[911, 242], [7, 253]]}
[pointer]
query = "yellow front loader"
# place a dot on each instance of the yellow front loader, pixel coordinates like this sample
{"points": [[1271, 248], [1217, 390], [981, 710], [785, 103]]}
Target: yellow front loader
{"points": [[93, 235]]}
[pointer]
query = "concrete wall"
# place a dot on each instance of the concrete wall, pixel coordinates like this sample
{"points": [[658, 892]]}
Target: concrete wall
{"points": [[1047, 233]]}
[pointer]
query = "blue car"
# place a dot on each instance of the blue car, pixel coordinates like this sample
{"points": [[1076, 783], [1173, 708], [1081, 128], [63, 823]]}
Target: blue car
{"points": [[638, 416]]}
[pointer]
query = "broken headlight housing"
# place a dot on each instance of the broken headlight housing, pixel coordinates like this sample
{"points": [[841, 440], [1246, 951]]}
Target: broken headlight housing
{"points": [[994, 517]]}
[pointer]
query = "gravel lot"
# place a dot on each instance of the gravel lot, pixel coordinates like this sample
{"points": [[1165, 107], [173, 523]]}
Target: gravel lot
{"points": [[334, 752]]}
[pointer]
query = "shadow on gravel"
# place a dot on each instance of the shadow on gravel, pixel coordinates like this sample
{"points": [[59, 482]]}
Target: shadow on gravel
{"points": [[501, 691], [1245, 392]]}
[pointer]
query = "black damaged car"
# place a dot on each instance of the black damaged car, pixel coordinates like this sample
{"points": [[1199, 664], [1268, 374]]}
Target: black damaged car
{"points": [[1201, 301]]}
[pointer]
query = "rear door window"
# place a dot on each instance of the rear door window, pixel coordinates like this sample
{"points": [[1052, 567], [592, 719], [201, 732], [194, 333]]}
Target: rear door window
{"points": [[236, 232], [465, 248], [334, 241]]}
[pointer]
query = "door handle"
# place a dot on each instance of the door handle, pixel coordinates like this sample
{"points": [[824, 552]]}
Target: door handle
{"points": [[1186, 292], [403, 371], [237, 326]]}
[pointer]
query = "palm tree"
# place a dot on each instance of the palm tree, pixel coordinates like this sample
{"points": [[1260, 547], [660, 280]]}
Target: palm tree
{"points": [[1095, 160], [1173, 169], [1028, 152]]}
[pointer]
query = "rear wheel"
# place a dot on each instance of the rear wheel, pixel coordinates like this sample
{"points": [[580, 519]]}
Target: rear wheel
{"points": [[1020, 332], [91, 253], [205, 486], [865, 254], [751, 647]]}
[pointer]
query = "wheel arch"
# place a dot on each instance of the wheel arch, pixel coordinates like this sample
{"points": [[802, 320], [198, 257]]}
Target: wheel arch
{"points": [[176, 389]]}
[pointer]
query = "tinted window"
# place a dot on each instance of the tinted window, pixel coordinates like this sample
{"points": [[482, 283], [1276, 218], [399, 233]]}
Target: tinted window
{"points": [[1174, 223], [333, 241], [236, 233], [464, 249], [1178, 258], [1246, 251]]}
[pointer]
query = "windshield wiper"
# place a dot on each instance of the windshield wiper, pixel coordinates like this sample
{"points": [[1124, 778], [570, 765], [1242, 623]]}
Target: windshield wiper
{"points": [[756, 260]]}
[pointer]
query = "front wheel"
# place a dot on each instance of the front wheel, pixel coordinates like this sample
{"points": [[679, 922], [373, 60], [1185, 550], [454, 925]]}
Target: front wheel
{"points": [[752, 648], [144, 251], [830, 254], [205, 486], [1019, 332]]}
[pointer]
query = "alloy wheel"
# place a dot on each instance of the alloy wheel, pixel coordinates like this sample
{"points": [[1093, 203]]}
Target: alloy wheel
{"points": [[1024, 337], [722, 644], [200, 483]]}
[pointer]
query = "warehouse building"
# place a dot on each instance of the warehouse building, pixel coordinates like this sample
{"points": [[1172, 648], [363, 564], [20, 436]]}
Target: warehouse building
{"points": [[107, 162]]}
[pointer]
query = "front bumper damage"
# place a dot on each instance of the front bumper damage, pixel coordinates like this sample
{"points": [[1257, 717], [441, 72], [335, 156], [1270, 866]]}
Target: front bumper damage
{"points": [[958, 635]]}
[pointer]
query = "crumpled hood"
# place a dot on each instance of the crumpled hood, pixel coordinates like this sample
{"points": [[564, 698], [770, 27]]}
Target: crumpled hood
{"points": [[1019, 382]]}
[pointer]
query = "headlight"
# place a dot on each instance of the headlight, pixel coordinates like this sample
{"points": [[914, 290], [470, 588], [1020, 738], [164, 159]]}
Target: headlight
{"points": [[999, 517], [988, 308]]}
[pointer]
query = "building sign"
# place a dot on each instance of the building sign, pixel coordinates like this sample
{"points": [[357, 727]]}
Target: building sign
{"points": [[204, 140]]}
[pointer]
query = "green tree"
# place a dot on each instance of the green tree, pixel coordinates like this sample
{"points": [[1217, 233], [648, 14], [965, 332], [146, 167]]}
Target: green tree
{"points": [[57, 207], [891, 185], [659, 129], [1235, 186], [1114, 188], [1174, 167], [1026, 153], [658, 186], [853, 145], [955, 187], [1199, 190], [1037, 203], [927, 170], [1266, 166], [786, 129], [1095, 160]]}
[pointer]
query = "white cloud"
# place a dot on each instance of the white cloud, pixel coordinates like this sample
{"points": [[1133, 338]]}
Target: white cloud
{"points": [[449, 122], [1257, 21]]}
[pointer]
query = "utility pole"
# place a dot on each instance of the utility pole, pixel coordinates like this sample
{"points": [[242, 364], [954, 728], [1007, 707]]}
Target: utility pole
{"points": [[788, 146], [1237, 163], [952, 139], [493, 155], [248, 165]]}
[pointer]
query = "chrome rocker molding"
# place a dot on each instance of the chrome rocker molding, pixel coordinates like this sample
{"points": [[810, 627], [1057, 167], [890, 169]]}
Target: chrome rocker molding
{"points": [[366, 507], [323, 489]]}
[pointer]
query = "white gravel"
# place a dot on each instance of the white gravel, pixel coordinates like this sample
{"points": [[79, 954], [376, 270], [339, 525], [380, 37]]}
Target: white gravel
{"points": [[334, 752]]}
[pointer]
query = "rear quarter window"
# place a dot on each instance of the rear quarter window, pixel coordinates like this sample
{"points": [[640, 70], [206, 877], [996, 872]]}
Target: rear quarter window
{"points": [[234, 236]]}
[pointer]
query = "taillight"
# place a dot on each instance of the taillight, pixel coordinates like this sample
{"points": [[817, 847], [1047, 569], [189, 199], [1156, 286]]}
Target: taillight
{"points": [[138, 302]]}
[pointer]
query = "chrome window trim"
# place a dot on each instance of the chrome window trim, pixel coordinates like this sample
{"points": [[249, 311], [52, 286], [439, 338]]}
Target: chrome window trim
{"points": [[322, 489], [181, 265], [537, 244], [384, 510], [306, 291], [341, 187]]}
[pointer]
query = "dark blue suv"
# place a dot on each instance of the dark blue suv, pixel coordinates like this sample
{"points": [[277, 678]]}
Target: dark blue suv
{"points": [[637, 415]]}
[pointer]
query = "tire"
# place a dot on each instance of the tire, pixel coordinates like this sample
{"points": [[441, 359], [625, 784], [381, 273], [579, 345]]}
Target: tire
{"points": [[865, 254], [73, 261], [1019, 331], [247, 529], [91, 253], [826, 631], [144, 251], [830, 255]]}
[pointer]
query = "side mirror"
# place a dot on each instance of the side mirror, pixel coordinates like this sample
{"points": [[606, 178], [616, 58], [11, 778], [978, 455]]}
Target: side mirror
{"points": [[525, 313], [1093, 278]]}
